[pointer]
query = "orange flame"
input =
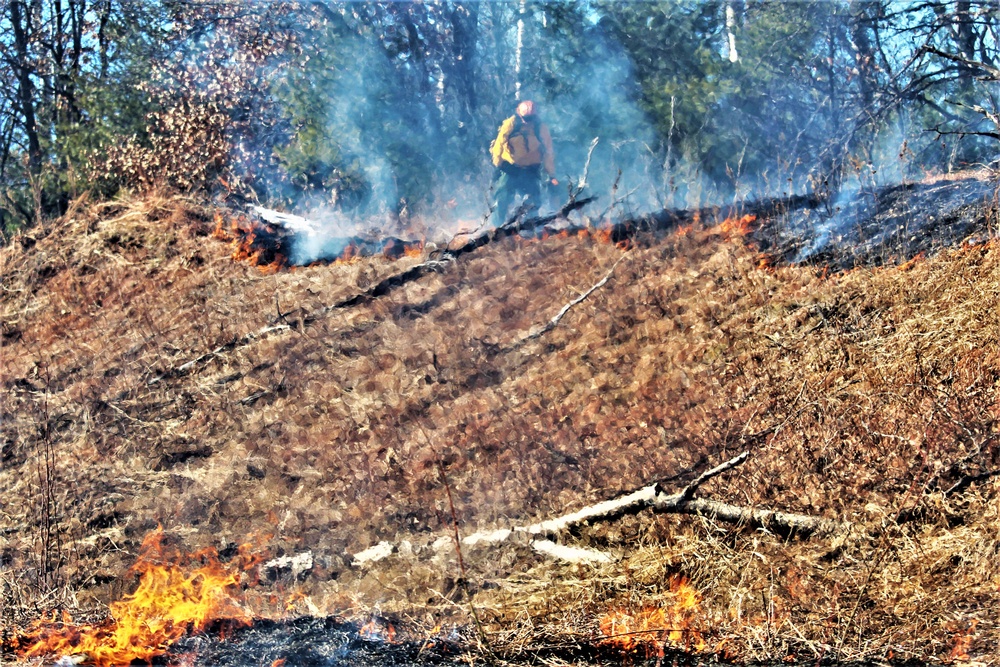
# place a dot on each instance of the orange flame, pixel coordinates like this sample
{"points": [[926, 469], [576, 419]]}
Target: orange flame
{"points": [[657, 627], [378, 629], [251, 241], [395, 248], [293, 600], [912, 262], [736, 227], [963, 642], [603, 234], [220, 232], [172, 598], [351, 253]]}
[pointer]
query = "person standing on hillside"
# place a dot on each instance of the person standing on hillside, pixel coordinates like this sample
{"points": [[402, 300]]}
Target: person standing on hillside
{"points": [[522, 148]]}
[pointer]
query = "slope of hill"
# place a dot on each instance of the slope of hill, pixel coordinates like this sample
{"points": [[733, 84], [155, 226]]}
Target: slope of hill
{"points": [[868, 396]]}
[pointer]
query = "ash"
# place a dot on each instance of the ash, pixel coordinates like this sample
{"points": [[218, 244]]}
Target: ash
{"points": [[882, 226], [310, 642]]}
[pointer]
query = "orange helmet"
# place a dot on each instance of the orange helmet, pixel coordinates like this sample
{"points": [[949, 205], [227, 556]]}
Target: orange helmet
{"points": [[526, 108]]}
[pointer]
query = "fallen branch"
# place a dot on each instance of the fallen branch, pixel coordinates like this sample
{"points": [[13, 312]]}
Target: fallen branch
{"points": [[241, 341], [682, 502], [784, 523], [382, 287], [436, 262], [551, 324], [631, 503], [687, 493], [653, 497]]}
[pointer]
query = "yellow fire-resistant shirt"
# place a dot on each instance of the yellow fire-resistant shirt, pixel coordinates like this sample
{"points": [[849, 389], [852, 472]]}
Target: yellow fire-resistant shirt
{"points": [[518, 143]]}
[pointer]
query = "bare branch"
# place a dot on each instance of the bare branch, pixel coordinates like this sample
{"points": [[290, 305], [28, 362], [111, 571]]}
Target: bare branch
{"points": [[582, 183], [966, 133], [653, 497], [993, 73], [688, 491], [966, 480], [551, 324]]}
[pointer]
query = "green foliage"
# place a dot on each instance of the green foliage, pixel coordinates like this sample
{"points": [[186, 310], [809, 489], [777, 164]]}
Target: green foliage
{"points": [[720, 114], [363, 128], [81, 62], [312, 158], [393, 104], [111, 111]]}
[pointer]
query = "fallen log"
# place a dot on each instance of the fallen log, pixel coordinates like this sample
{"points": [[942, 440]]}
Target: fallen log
{"points": [[654, 497], [671, 218], [783, 523], [515, 226]]}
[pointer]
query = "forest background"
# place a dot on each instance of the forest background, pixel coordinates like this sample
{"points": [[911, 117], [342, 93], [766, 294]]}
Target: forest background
{"points": [[389, 107]]}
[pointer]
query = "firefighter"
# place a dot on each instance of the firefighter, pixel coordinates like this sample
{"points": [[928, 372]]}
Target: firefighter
{"points": [[523, 147]]}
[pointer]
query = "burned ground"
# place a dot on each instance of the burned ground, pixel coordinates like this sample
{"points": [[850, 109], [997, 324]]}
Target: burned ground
{"points": [[867, 396]]}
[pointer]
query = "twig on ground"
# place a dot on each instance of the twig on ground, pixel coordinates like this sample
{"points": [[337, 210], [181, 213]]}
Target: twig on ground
{"points": [[966, 480], [241, 341], [551, 324], [127, 415]]}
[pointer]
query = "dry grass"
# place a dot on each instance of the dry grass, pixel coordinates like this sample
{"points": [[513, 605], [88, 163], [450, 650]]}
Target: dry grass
{"points": [[862, 396]]}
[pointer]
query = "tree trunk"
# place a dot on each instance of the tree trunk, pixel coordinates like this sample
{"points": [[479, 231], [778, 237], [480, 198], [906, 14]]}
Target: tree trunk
{"points": [[861, 23], [464, 22], [20, 19]]}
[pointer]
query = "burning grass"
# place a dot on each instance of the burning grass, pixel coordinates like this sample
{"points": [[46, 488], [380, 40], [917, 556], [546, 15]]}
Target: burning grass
{"points": [[175, 595], [868, 396], [269, 246], [252, 241], [655, 628]]}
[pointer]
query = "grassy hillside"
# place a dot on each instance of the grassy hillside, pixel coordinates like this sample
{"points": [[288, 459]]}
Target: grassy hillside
{"points": [[870, 396]]}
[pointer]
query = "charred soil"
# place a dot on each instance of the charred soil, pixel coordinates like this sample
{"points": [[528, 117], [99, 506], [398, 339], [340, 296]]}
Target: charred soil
{"points": [[868, 395]]}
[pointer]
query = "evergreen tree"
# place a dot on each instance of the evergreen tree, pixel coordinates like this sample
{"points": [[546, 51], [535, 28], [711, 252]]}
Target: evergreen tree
{"points": [[391, 106]]}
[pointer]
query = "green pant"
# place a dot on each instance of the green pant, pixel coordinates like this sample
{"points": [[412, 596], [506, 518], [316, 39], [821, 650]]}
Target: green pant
{"points": [[512, 180]]}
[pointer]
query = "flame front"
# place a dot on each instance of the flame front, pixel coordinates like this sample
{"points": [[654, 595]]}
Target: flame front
{"points": [[736, 227], [256, 243], [172, 598], [657, 627], [377, 629]]}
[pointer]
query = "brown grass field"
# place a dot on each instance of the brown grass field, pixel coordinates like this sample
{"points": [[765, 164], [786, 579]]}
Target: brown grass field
{"points": [[870, 396]]}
